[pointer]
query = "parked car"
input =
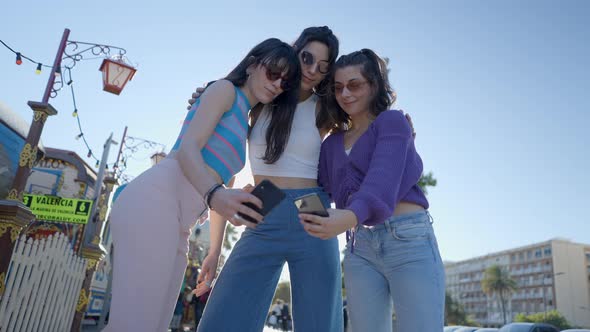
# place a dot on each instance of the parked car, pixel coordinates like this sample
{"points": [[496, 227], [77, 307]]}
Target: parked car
{"points": [[452, 328], [576, 330], [467, 329], [528, 327], [487, 329]]}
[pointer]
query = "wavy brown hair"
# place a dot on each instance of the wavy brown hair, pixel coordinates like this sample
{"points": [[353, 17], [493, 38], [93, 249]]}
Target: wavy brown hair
{"points": [[374, 70]]}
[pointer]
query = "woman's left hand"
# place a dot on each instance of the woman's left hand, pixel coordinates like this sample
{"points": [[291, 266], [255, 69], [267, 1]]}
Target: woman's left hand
{"points": [[325, 228]]}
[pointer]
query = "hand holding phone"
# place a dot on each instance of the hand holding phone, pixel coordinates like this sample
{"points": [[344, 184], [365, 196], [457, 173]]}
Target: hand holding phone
{"points": [[269, 194], [311, 204]]}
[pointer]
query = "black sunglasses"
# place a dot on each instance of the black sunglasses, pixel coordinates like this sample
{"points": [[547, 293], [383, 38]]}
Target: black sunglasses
{"points": [[308, 59], [273, 74]]}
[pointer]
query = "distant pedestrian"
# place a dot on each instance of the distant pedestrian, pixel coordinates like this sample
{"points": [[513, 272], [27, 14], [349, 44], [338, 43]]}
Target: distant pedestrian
{"points": [[345, 314], [274, 315], [177, 316], [285, 317], [199, 303]]}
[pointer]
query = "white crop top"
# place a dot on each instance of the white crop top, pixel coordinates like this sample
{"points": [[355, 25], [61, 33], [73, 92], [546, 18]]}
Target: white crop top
{"points": [[302, 152]]}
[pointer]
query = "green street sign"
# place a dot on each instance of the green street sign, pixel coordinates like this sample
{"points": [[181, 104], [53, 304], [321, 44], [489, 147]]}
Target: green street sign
{"points": [[59, 209]]}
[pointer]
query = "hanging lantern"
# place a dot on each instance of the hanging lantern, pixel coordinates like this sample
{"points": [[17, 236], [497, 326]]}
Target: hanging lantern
{"points": [[115, 74]]}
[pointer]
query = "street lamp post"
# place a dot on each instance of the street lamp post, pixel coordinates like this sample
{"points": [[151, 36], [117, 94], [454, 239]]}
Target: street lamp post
{"points": [[14, 215], [92, 248]]}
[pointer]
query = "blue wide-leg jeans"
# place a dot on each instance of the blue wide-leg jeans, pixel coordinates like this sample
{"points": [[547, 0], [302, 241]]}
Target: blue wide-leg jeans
{"points": [[243, 292]]}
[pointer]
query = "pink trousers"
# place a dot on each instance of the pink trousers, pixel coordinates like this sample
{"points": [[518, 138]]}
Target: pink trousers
{"points": [[150, 225]]}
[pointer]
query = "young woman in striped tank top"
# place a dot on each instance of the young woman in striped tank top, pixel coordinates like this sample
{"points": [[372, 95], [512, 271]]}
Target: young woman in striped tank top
{"points": [[153, 216], [286, 151]]}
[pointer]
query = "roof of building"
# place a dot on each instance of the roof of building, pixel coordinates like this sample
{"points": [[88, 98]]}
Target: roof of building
{"points": [[511, 250], [15, 122], [85, 172]]}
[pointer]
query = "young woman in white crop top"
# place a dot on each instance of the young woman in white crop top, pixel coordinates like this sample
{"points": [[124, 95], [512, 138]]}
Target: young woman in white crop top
{"points": [[301, 155], [288, 156]]}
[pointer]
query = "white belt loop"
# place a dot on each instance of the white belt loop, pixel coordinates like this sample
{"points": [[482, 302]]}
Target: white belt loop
{"points": [[430, 219], [388, 226]]}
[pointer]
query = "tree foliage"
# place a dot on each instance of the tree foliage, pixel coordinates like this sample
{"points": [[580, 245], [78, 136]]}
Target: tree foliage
{"points": [[552, 317], [498, 281], [426, 180], [455, 313], [283, 292], [230, 236]]}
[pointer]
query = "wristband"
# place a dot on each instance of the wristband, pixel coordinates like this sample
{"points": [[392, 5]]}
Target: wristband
{"points": [[210, 193]]}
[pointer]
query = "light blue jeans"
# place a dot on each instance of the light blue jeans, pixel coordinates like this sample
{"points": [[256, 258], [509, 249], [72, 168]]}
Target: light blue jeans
{"points": [[395, 265], [242, 295]]}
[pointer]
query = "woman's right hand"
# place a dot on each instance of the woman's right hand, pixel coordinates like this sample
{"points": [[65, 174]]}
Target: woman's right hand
{"points": [[207, 275], [194, 98], [228, 202], [241, 221]]}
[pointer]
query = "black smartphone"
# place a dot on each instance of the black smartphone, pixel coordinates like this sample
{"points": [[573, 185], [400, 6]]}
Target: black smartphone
{"points": [[269, 194], [312, 204]]}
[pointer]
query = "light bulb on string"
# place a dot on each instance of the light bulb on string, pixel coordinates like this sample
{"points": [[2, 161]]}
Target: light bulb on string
{"points": [[38, 70], [75, 113], [58, 72], [96, 165], [19, 59], [79, 136], [89, 153]]}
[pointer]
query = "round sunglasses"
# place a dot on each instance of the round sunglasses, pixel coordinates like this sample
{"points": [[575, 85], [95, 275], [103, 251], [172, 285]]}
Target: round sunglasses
{"points": [[308, 59], [352, 86]]}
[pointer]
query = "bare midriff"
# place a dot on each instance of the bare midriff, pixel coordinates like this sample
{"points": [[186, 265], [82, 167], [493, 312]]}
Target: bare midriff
{"points": [[406, 207], [287, 182]]}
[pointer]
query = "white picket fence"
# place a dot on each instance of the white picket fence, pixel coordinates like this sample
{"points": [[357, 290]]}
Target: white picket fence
{"points": [[42, 287]]}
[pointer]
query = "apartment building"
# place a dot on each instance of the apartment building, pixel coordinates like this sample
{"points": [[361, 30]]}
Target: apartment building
{"points": [[550, 275]]}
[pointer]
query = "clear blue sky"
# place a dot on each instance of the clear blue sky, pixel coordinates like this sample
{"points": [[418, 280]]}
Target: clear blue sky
{"points": [[498, 92]]}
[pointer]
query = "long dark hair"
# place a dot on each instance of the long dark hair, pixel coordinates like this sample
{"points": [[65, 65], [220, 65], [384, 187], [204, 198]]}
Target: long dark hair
{"points": [[273, 53], [374, 70], [279, 127], [325, 36]]}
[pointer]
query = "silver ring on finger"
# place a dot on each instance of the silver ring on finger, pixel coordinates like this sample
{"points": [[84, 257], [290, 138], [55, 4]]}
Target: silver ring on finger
{"points": [[236, 216]]}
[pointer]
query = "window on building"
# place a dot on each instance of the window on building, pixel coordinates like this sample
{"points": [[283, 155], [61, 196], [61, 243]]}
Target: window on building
{"points": [[547, 251], [538, 253], [529, 254], [513, 258], [520, 257]]}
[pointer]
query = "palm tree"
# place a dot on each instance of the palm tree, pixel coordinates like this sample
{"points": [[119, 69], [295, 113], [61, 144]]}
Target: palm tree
{"points": [[498, 281]]}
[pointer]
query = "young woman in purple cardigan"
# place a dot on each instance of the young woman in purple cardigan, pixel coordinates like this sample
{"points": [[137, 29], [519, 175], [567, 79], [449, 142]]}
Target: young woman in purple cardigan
{"points": [[370, 169]]}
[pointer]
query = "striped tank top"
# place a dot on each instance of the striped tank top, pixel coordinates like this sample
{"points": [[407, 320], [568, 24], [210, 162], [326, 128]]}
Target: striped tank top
{"points": [[225, 151]]}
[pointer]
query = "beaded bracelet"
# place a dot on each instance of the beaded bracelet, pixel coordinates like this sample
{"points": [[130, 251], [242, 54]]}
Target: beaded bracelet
{"points": [[210, 192]]}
